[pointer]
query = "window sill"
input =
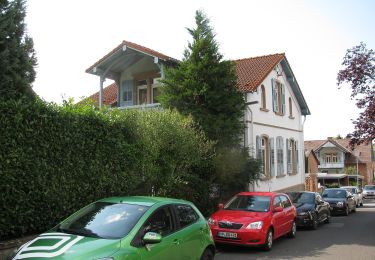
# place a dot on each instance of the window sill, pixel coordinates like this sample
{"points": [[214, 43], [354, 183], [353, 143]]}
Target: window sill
{"points": [[280, 176], [291, 117], [263, 109], [278, 114]]}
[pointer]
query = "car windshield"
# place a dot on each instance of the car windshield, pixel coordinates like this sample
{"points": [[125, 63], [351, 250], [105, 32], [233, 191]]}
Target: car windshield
{"points": [[369, 187], [249, 203], [302, 197], [334, 194], [352, 190], [103, 220]]}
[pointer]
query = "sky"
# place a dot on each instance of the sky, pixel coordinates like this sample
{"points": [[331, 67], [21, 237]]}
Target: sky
{"points": [[71, 35]]}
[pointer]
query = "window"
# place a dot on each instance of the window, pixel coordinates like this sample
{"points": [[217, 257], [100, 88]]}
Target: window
{"points": [[186, 215], [331, 158], [292, 156], [263, 154], [290, 108], [285, 202], [142, 92], [160, 222], [127, 93], [155, 90], [263, 97], [277, 202], [278, 97], [280, 156]]}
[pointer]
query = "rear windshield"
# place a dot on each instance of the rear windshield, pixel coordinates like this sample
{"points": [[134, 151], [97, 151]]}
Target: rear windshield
{"points": [[302, 197], [372, 187], [334, 194], [103, 220], [249, 203]]}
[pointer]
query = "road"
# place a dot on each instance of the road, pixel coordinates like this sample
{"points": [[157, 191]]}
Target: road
{"points": [[345, 238]]}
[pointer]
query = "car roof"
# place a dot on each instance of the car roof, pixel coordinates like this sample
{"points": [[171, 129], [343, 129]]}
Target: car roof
{"points": [[143, 200], [311, 192], [258, 193]]}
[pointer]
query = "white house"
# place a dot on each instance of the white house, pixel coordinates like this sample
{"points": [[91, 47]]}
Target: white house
{"points": [[274, 117]]}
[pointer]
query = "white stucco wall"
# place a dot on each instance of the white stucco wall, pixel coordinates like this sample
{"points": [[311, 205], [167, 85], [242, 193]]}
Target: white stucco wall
{"points": [[272, 125]]}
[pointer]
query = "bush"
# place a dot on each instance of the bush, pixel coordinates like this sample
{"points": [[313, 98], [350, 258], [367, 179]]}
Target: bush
{"points": [[56, 159]]}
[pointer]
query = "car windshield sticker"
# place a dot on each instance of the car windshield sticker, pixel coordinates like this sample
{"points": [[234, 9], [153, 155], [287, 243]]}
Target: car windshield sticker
{"points": [[60, 244]]}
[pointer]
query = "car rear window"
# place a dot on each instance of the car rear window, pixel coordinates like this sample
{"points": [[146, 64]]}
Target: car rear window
{"points": [[249, 203], [104, 220]]}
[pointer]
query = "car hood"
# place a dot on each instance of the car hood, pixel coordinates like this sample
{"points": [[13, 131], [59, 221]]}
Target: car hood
{"points": [[304, 207], [238, 216], [66, 246], [334, 199]]}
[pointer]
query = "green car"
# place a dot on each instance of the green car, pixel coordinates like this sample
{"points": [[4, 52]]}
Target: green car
{"points": [[126, 228]]}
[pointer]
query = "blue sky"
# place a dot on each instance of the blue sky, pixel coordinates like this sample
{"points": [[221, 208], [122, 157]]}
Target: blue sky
{"points": [[71, 35]]}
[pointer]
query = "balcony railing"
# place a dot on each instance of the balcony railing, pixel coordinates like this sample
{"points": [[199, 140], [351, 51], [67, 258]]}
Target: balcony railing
{"points": [[143, 107], [331, 165]]}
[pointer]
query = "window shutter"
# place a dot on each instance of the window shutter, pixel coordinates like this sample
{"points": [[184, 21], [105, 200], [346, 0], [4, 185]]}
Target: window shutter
{"points": [[272, 156], [258, 150], [297, 155], [288, 155], [273, 95], [283, 98]]}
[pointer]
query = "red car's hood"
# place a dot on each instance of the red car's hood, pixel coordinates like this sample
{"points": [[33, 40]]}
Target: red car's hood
{"points": [[239, 216]]}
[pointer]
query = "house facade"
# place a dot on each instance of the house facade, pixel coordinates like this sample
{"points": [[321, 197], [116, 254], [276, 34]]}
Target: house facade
{"points": [[275, 107], [339, 164]]}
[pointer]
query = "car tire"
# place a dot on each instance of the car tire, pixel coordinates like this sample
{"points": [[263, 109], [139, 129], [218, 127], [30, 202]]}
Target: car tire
{"points": [[328, 218], [315, 222], [354, 210], [293, 231], [361, 203], [269, 241], [207, 255], [346, 213]]}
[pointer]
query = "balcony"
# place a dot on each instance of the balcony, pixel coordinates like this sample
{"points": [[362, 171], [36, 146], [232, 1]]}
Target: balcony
{"points": [[336, 165]]}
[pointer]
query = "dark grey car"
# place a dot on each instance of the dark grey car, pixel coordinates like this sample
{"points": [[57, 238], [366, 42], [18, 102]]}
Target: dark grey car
{"points": [[340, 200]]}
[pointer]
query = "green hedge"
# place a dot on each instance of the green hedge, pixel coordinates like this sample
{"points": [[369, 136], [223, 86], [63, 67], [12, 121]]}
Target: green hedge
{"points": [[56, 159]]}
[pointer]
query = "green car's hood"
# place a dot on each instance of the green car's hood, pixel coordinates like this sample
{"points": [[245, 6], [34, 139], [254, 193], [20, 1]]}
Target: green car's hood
{"points": [[66, 246]]}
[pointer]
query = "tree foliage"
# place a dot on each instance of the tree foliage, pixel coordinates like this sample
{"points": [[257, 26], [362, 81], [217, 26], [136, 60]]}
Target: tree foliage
{"points": [[359, 73], [17, 56], [204, 85]]}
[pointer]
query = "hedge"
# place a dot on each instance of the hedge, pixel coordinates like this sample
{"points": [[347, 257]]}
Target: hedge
{"points": [[55, 159]]}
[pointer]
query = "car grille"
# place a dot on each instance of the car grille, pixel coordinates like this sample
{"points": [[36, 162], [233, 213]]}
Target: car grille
{"points": [[230, 225]]}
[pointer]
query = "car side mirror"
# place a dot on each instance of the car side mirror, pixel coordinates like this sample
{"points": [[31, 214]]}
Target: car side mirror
{"points": [[221, 206], [278, 209], [151, 238]]}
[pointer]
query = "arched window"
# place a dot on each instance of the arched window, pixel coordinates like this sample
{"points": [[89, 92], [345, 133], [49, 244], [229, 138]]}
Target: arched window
{"points": [[263, 97]]}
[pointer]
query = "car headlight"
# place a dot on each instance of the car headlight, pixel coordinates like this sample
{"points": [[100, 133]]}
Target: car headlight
{"points": [[255, 225], [303, 214], [340, 204], [211, 221]]}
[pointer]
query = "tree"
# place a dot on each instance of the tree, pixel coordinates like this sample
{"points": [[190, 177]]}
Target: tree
{"points": [[359, 73], [204, 85], [17, 56]]}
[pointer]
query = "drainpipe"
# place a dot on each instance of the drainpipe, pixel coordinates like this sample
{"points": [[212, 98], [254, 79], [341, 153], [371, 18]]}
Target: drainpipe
{"points": [[303, 152]]}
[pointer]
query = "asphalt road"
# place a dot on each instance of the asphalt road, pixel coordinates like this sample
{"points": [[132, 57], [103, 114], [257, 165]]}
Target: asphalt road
{"points": [[345, 238]]}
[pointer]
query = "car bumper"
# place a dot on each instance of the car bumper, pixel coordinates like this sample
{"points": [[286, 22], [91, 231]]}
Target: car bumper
{"points": [[244, 237], [304, 221], [369, 196], [337, 210]]}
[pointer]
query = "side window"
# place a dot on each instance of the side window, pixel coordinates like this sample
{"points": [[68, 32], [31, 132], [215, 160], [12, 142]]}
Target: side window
{"points": [[160, 222], [186, 215], [285, 202], [277, 202]]}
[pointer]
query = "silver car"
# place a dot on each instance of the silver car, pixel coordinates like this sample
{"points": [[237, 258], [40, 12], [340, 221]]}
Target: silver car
{"points": [[356, 194], [369, 192]]}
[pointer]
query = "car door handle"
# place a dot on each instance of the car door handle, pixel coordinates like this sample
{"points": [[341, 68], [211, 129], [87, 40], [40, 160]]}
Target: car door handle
{"points": [[176, 241]]}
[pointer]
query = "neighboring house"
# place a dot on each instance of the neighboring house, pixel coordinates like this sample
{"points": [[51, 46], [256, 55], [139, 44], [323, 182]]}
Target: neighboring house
{"points": [[339, 164], [311, 170], [274, 114]]}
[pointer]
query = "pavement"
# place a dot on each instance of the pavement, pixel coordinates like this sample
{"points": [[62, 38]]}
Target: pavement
{"points": [[345, 238]]}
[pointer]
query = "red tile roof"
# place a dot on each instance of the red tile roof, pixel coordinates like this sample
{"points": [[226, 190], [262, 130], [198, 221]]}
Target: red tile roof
{"points": [[109, 95], [132, 46], [252, 71]]}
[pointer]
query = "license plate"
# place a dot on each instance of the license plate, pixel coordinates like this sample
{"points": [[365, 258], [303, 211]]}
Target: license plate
{"points": [[227, 234]]}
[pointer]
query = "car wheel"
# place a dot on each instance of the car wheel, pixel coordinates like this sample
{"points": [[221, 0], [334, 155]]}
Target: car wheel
{"points": [[354, 210], [269, 241], [293, 231], [328, 218], [346, 211], [207, 255], [315, 223], [361, 203]]}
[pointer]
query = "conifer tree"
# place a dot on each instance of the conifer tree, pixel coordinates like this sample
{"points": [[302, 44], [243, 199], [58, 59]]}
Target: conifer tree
{"points": [[204, 85], [17, 56]]}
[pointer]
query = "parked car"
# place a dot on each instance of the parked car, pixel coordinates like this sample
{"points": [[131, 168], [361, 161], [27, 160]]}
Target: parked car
{"points": [[311, 209], [127, 228], [340, 200], [369, 192], [254, 219], [356, 194]]}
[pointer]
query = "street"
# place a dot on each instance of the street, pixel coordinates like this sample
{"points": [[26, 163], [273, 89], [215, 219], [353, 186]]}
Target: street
{"points": [[345, 238]]}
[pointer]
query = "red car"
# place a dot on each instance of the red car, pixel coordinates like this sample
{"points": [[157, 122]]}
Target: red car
{"points": [[254, 219]]}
